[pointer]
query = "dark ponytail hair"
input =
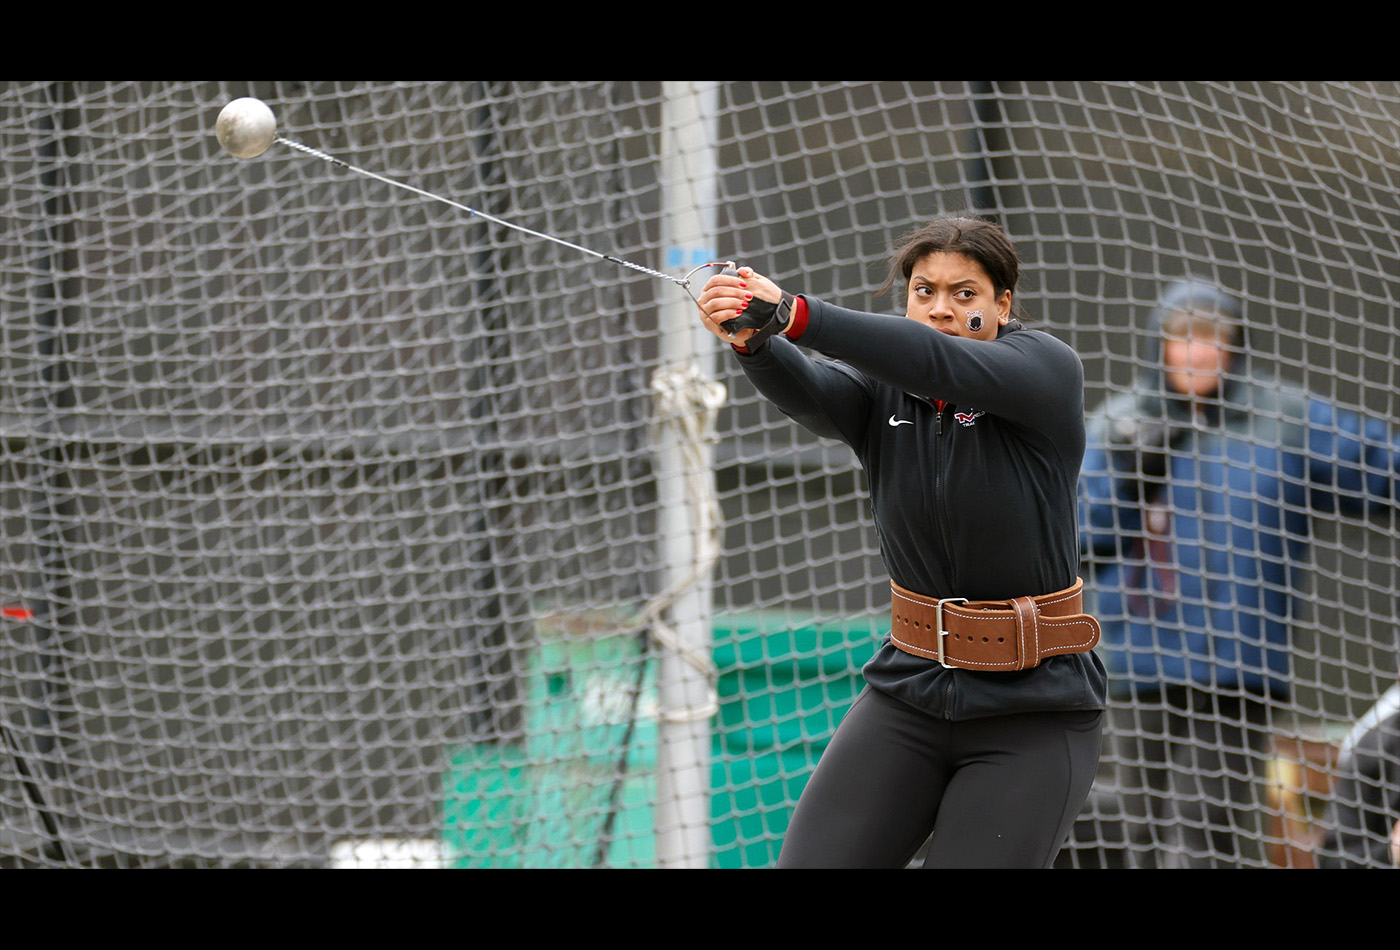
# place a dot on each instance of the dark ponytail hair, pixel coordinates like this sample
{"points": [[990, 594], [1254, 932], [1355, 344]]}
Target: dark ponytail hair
{"points": [[974, 238]]}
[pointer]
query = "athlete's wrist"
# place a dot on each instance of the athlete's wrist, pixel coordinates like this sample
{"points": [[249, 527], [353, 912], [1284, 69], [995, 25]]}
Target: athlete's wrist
{"points": [[797, 321], [791, 318]]}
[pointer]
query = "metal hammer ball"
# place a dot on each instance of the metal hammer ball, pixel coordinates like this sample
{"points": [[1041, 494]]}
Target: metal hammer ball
{"points": [[246, 128]]}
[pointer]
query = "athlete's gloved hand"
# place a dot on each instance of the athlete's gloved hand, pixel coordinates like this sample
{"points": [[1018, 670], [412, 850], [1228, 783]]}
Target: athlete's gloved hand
{"points": [[737, 308], [763, 317]]}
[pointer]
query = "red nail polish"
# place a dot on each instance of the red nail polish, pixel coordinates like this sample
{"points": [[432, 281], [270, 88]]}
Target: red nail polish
{"points": [[748, 296], [742, 284]]}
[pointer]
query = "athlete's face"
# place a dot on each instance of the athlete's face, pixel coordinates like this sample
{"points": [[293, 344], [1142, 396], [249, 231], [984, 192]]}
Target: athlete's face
{"points": [[953, 294], [1195, 358]]}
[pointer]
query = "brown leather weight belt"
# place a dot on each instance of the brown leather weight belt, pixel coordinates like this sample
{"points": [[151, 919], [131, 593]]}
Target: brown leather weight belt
{"points": [[992, 634]]}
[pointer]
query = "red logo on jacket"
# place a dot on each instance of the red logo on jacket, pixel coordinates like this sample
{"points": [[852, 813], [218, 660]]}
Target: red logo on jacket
{"points": [[969, 417]]}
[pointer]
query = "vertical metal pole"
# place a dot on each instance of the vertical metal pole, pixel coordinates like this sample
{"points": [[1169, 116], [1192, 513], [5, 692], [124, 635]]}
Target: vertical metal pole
{"points": [[689, 172], [53, 597], [991, 169], [982, 138]]}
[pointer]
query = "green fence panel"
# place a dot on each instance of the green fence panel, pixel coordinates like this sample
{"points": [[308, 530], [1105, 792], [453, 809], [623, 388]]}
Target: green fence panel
{"points": [[578, 791]]}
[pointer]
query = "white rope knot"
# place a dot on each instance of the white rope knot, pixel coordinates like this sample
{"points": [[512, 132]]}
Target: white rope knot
{"points": [[688, 401]]}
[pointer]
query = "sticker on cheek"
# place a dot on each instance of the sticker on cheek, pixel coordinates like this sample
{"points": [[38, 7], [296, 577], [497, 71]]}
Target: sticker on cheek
{"points": [[974, 320]]}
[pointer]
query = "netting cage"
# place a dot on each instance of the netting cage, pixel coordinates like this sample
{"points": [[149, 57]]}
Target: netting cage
{"points": [[343, 527]]}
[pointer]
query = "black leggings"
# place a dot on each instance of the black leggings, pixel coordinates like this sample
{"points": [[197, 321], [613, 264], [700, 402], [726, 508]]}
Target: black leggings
{"points": [[1000, 792]]}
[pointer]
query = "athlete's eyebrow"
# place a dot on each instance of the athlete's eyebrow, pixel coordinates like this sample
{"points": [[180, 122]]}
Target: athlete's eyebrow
{"points": [[956, 283]]}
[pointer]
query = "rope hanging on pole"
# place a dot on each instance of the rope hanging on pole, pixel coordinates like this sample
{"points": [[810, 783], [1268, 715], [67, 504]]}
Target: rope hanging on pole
{"points": [[690, 403]]}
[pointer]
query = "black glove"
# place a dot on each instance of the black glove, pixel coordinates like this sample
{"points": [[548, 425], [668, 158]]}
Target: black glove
{"points": [[1139, 449], [764, 318]]}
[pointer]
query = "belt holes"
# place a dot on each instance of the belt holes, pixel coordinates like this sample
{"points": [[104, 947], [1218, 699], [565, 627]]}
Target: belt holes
{"points": [[985, 640]]}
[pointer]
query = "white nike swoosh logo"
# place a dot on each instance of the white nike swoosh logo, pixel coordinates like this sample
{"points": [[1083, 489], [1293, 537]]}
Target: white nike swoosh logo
{"points": [[900, 422]]}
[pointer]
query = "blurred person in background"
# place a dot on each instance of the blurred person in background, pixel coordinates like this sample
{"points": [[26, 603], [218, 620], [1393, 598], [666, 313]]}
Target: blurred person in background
{"points": [[1197, 493]]}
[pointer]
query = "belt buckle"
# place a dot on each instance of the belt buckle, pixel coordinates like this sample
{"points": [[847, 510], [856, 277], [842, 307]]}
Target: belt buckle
{"points": [[938, 622]]}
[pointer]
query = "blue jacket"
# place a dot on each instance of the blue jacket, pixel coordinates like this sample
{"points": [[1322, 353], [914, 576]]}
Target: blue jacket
{"points": [[1195, 520]]}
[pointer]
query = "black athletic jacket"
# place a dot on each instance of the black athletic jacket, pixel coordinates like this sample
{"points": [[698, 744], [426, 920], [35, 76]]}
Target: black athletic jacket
{"points": [[977, 500]]}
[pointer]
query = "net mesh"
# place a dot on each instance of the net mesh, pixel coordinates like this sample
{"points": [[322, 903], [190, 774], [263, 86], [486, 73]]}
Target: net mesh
{"points": [[332, 517]]}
